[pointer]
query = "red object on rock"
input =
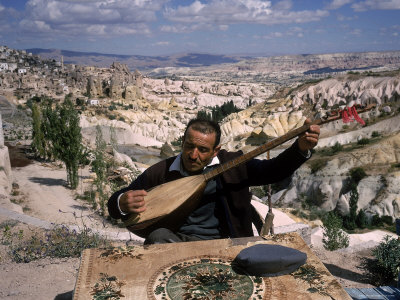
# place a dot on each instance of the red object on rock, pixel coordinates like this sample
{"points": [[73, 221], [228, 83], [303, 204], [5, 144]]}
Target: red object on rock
{"points": [[350, 114], [356, 116], [345, 116]]}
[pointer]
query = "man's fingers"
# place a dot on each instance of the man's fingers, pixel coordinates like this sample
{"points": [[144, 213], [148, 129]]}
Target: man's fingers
{"points": [[135, 193], [133, 201], [136, 203]]}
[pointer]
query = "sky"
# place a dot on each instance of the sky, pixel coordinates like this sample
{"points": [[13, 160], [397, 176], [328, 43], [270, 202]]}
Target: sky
{"points": [[165, 27]]}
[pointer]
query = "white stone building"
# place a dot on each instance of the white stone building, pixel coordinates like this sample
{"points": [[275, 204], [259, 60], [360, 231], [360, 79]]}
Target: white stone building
{"points": [[21, 71]]}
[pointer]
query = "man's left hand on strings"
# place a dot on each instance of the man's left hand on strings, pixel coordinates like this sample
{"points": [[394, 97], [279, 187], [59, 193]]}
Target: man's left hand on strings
{"points": [[309, 139]]}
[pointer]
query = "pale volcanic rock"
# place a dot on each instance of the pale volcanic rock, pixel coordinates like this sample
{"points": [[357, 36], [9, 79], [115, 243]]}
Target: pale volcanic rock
{"points": [[123, 158], [124, 134], [173, 103], [132, 93], [163, 105], [348, 91], [234, 128], [275, 123], [94, 87], [378, 194]]}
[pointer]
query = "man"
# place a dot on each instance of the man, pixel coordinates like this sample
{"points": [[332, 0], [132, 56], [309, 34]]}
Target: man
{"points": [[225, 209]]}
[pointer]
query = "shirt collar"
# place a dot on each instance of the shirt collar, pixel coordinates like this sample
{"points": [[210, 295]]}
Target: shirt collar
{"points": [[176, 165]]}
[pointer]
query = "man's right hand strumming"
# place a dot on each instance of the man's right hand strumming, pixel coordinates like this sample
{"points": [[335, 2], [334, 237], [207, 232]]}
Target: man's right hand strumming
{"points": [[133, 202]]}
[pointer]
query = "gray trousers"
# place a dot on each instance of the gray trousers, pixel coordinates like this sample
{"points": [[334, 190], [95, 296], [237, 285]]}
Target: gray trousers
{"points": [[164, 235]]}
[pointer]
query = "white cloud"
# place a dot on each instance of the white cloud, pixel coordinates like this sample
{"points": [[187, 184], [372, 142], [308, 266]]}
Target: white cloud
{"points": [[342, 18], [356, 32], [94, 17], [283, 5], [294, 31], [335, 4], [376, 5], [246, 11], [187, 28], [2, 8], [162, 43]]}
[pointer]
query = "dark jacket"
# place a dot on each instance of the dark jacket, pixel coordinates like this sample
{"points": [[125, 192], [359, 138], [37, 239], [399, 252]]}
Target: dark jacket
{"points": [[235, 209]]}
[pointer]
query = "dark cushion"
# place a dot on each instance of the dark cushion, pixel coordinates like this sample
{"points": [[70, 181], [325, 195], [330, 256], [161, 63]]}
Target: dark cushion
{"points": [[268, 260]]}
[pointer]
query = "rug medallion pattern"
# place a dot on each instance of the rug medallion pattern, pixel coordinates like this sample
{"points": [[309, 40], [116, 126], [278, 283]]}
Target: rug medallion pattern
{"points": [[205, 278]]}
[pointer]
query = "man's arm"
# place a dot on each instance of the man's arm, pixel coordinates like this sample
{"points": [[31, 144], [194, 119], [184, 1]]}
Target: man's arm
{"points": [[262, 172]]}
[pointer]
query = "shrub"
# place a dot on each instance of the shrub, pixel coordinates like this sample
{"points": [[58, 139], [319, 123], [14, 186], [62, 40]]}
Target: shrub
{"points": [[363, 141], [375, 134], [387, 220], [336, 148], [357, 174], [385, 266], [376, 221], [317, 165], [59, 242], [334, 237]]}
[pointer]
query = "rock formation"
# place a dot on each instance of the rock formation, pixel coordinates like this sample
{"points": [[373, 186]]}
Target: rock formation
{"points": [[5, 170]]}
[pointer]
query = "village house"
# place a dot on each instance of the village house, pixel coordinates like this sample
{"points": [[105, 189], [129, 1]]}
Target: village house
{"points": [[3, 66], [21, 71], [93, 102]]}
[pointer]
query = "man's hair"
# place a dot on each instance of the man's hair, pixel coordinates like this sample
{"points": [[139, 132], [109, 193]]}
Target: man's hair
{"points": [[206, 127]]}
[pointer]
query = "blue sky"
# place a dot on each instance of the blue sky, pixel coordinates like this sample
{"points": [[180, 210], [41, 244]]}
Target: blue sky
{"points": [[160, 27]]}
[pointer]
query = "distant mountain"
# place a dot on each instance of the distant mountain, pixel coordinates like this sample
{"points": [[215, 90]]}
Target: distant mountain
{"points": [[139, 62]]}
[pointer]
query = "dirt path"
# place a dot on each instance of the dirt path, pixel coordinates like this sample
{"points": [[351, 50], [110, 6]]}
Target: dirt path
{"points": [[42, 193]]}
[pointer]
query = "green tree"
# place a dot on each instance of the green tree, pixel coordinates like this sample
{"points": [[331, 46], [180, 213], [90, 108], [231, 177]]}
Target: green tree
{"points": [[202, 114], [356, 175], [38, 141], [63, 132], [361, 220], [334, 237], [350, 219]]}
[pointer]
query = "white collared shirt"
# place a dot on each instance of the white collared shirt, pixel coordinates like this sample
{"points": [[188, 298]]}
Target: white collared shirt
{"points": [[177, 166]]}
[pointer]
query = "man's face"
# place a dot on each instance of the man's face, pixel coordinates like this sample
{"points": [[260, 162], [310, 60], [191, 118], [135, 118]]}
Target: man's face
{"points": [[198, 150]]}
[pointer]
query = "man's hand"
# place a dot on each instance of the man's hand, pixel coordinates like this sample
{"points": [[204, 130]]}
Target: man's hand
{"points": [[309, 140], [133, 202]]}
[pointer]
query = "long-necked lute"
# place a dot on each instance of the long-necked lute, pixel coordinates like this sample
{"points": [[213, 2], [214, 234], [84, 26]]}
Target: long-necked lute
{"points": [[168, 204]]}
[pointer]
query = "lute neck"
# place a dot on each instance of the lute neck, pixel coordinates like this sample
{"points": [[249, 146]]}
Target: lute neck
{"points": [[270, 145]]}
